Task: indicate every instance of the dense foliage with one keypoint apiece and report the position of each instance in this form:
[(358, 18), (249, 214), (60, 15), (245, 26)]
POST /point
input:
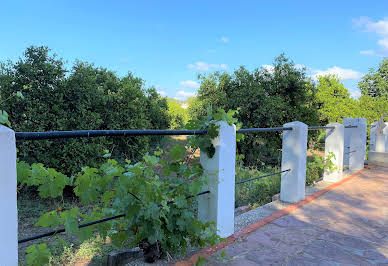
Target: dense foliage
[(265, 99), (177, 113), (85, 98), (335, 103), (375, 83), (157, 210)]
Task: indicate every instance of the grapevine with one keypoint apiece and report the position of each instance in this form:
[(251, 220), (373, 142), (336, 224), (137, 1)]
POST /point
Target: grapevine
[(156, 205)]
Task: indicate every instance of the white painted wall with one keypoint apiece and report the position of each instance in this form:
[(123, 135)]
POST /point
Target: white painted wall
[(8, 199)]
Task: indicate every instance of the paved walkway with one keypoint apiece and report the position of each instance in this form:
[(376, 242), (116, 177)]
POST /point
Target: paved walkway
[(346, 226)]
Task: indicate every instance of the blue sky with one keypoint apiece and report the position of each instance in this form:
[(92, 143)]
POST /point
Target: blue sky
[(167, 43)]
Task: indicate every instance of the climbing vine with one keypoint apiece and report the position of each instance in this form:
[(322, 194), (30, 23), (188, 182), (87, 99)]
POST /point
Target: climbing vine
[(152, 193)]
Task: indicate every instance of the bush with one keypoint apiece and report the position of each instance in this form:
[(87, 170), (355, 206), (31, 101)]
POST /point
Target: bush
[(85, 98), (259, 191)]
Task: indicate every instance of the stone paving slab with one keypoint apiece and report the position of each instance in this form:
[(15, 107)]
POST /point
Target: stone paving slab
[(348, 225)]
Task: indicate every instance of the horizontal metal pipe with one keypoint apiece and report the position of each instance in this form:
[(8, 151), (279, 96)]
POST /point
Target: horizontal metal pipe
[(20, 136), (100, 133), (319, 127), (51, 233), (254, 178), (258, 130)]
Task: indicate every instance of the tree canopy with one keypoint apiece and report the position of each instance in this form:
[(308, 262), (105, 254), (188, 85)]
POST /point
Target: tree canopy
[(375, 83), (265, 98), (85, 97)]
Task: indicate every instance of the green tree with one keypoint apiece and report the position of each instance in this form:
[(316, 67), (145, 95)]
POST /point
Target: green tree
[(265, 99), (370, 108), (86, 97), (195, 108), (177, 114), (334, 101), (375, 83)]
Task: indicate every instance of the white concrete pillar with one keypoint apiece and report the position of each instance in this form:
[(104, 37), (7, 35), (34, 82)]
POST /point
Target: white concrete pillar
[(8, 198), (355, 143), (372, 138), (218, 205), (294, 154), (380, 144), (334, 143)]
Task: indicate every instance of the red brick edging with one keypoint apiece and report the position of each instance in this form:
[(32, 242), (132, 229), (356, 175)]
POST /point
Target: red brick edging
[(206, 252)]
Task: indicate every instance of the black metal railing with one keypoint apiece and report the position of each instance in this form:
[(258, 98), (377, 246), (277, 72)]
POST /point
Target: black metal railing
[(61, 230), (259, 177), (102, 133), (22, 136), (263, 129), (319, 127), (326, 127)]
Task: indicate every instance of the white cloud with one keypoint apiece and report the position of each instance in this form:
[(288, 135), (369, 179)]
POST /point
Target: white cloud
[(224, 39), (383, 43), (355, 93), (183, 95), (341, 73), (380, 28), (367, 52), (190, 84), (203, 66), (162, 93), (269, 68)]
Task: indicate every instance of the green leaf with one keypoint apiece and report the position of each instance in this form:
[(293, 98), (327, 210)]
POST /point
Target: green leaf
[(151, 160), (20, 95), (180, 201), (49, 219), (107, 155), (86, 233), (38, 255), (70, 220), (4, 118), (213, 131), (37, 175), (23, 172), (52, 184), (177, 152)]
